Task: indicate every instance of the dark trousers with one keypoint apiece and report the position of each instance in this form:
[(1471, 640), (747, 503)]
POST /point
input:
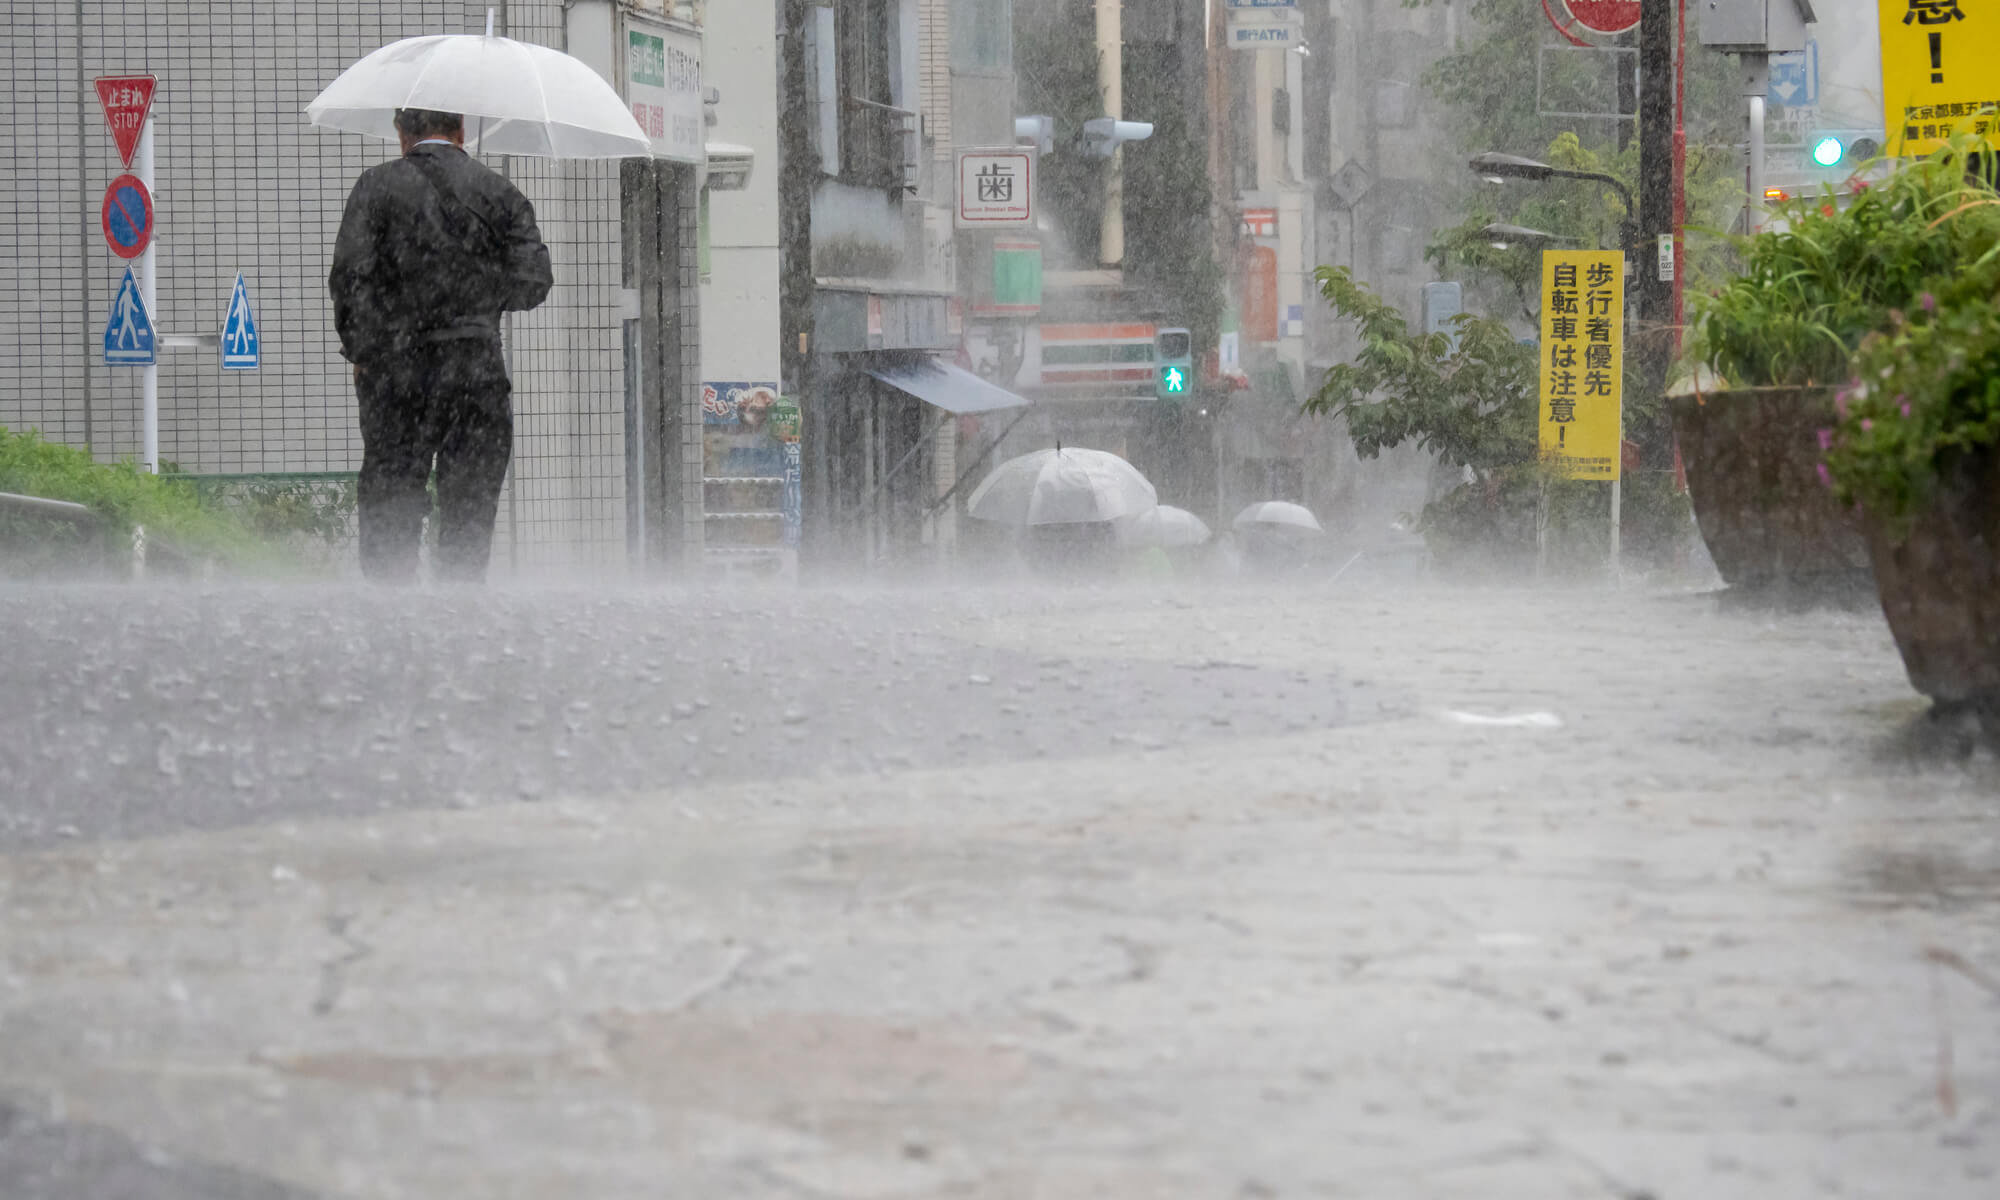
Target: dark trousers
[(448, 403)]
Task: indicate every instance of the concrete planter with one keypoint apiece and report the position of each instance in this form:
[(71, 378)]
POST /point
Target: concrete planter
[(1939, 580), (1752, 457)]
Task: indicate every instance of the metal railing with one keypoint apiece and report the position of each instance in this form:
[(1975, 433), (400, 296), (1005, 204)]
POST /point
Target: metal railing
[(878, 144)]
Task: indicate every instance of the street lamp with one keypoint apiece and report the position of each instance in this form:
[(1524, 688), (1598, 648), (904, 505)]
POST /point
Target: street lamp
[(1502, 236), (1494, 166)]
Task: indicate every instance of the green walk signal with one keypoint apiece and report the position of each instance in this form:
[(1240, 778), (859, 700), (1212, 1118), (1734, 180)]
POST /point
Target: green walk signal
[(1173, 351), (1849, 148)]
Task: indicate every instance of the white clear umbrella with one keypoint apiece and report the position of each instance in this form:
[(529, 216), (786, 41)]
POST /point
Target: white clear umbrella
[(1279, 514), (1064, 486), (517, 98), (1165, 526)]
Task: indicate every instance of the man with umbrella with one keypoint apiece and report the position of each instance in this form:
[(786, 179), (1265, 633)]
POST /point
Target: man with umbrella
[(433, 247)]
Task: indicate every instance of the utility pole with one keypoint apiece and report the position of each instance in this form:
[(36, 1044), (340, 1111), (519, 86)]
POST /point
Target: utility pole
[(1656, 217), (798, 172)]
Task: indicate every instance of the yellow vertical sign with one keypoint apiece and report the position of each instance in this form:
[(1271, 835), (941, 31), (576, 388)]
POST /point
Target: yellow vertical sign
[(1937, 71), (1583, 361)]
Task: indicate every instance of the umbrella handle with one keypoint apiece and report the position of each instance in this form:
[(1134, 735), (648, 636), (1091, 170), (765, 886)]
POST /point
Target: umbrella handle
[(489, 22)]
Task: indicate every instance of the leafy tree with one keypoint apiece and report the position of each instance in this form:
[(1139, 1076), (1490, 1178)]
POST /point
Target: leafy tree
[(1588, 213), (1055, 64), (1470, 398), (1471, 403), (1490, 91)]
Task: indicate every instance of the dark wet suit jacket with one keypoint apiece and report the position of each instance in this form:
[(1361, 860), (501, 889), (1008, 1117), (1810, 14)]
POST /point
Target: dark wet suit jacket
[(410, 267), (432, 249)]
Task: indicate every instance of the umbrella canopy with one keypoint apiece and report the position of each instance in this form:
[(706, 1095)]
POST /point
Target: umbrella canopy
[(1279, 514), (1065, 486), (517, 98), (1167, 527)]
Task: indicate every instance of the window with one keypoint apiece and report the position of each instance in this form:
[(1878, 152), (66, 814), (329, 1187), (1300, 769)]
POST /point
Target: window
[(877, 139)]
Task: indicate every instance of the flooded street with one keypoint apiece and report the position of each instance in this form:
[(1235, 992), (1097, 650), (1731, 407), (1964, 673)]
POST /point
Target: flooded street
[(1351, 891)]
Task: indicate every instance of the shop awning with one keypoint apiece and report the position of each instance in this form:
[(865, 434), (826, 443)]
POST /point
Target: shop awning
[(951, 388)]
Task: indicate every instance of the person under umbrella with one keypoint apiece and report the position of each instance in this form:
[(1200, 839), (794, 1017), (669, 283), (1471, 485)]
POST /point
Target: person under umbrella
[(1066, 501), (432, 248), (1276, 535)]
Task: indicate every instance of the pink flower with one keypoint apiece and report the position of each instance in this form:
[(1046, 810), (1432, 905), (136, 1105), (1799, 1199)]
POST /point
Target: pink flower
[(1905, 409), (1840, 405), (1825, 476), (1866, 424), (1825, 439), (1928, 301)]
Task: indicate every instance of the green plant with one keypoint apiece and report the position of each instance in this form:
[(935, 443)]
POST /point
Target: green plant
[(1927, 395), (123, 495), (316, 507), (1812, 290)]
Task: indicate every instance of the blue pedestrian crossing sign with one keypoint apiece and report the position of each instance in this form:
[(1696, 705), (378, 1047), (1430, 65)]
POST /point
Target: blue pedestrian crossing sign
[(129, 337), (239, 331)]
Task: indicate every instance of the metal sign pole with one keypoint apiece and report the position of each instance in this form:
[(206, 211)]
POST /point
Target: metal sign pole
[(150, 454)]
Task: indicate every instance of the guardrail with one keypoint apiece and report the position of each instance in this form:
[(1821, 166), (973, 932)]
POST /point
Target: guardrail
[(108, 551)]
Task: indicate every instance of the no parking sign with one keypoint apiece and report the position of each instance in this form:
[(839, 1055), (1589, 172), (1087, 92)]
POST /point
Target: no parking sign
[(128, 216)]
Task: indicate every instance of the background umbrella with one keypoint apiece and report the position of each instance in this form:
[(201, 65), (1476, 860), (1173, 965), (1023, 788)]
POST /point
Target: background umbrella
[(1165, 526), (517, 98), (1062, 487), (1277, 514)]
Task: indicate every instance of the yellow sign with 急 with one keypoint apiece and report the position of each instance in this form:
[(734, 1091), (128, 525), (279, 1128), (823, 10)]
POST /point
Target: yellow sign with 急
[(1938, 76), (1583, 362)]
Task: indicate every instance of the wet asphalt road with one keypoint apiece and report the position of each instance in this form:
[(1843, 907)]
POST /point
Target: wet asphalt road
[(137, 713), (1368, 891)]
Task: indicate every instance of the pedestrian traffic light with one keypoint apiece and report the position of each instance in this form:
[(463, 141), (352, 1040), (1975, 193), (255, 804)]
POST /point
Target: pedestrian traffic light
[(1173, 357)]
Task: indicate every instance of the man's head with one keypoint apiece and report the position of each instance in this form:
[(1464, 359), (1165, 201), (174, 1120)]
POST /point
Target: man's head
[(414, 125)]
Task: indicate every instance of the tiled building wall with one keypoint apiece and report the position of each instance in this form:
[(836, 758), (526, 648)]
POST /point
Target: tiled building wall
[(243, 182), (565, 503)]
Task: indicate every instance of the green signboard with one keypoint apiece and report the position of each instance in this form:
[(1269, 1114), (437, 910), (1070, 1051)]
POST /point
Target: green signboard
[(646, 59), (1017, 277)]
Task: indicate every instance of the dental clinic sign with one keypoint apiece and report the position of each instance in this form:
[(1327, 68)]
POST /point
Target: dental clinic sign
[(663, 86)]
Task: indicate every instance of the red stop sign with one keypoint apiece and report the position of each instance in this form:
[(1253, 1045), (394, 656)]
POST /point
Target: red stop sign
[(1604, 16)]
